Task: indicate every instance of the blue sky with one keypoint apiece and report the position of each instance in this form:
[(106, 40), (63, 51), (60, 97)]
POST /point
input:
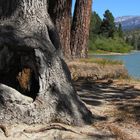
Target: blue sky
[(117, 7)]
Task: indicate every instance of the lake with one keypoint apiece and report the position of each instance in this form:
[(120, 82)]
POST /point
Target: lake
[(131, 62)]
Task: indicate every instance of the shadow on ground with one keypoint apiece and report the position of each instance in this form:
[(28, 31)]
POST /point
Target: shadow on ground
[(124, 97)]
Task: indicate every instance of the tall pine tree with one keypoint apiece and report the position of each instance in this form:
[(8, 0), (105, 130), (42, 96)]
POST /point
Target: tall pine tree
[(80, 28), (108, 25), (95, 25), (120, 31), (60, 12)]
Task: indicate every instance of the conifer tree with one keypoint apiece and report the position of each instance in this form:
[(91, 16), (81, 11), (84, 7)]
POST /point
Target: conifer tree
[(108, 25), (60, 12), (80, 28), (120, 31), (95, 25)]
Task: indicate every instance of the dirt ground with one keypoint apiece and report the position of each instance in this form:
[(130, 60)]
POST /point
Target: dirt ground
[(115, 105)]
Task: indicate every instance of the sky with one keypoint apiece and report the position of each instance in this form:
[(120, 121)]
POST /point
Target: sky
[(117, 7)]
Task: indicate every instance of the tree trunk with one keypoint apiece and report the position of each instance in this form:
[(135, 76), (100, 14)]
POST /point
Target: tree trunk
[(80, 28), (60, 12), (35, 81)]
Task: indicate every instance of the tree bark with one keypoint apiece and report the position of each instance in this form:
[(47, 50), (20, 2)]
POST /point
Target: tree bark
[(60, 12), (35, 81), (80, 28)]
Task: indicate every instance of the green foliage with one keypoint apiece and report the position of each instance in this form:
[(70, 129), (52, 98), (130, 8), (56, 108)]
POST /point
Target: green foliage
[(117, 45), (95, 25), (108, 28), (133, 38), (138, 43), (120, 31), (105, 36)]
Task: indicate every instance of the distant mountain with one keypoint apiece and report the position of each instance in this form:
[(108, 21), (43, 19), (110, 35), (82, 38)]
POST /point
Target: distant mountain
[(128, 22)]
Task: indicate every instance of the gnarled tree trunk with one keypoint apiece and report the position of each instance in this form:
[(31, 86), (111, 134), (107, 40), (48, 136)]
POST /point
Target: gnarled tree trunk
[(80, 28), (35, 81), (60, 12)]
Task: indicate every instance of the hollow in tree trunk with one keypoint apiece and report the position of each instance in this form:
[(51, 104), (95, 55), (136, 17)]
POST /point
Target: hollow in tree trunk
[(35, 81), (80, 28)]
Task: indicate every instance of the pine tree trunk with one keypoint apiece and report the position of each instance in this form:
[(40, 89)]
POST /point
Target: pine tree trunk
[(80, 28), (35, 81), (60, 12)]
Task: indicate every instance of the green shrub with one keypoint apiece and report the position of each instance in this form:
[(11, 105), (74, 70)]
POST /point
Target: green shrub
[(116, 44)]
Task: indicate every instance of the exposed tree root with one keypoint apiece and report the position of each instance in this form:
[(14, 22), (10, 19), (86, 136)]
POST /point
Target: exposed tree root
[(59, 127), (5, 130), (49, 127)]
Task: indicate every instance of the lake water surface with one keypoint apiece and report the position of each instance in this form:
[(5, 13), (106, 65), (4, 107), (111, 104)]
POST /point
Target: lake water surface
[(131, 62)]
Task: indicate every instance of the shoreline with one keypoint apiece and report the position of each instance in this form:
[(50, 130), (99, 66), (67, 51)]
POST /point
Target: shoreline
[(113, 53), (96, 69), (91, 70), (92, 54)]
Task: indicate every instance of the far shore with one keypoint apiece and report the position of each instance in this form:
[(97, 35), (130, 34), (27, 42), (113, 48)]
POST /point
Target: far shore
[(113, 53)]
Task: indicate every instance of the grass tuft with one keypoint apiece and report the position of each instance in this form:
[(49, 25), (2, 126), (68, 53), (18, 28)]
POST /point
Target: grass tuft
[(102, 61)]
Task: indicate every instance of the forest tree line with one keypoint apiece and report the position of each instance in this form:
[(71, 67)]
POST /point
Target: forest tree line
[(105, 36), (85, 31), (132, 37)]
